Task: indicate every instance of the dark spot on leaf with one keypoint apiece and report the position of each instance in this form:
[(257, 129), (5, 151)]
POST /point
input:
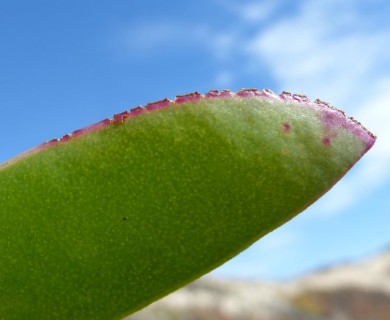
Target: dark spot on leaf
[(124, 218), (286, 127), (326, 141)]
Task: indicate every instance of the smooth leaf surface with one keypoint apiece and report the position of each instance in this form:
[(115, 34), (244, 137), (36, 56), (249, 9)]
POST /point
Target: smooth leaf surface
[(101, 223)]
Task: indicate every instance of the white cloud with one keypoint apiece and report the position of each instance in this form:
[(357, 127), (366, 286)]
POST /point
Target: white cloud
[(150, 36), (221, 44), (159, 37), (320, 50), (251, 12)]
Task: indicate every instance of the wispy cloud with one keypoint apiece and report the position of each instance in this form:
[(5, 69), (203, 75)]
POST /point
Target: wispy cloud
[(321, 50), (163, 36), (252, 11), (159, 39)]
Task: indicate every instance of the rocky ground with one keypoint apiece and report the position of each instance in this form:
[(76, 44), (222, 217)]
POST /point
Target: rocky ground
[(359, 291)]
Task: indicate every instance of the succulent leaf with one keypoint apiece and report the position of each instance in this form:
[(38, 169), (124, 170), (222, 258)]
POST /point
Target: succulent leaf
[(101, 222)]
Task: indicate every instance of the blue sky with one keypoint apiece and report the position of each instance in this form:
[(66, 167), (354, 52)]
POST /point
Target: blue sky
[(67, 64)]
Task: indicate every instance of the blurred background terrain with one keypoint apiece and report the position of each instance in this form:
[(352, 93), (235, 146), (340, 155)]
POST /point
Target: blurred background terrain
[(354, 291), (67, 64)]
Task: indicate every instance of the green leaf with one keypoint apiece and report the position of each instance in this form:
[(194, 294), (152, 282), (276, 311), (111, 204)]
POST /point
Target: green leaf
[(99, 224)]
